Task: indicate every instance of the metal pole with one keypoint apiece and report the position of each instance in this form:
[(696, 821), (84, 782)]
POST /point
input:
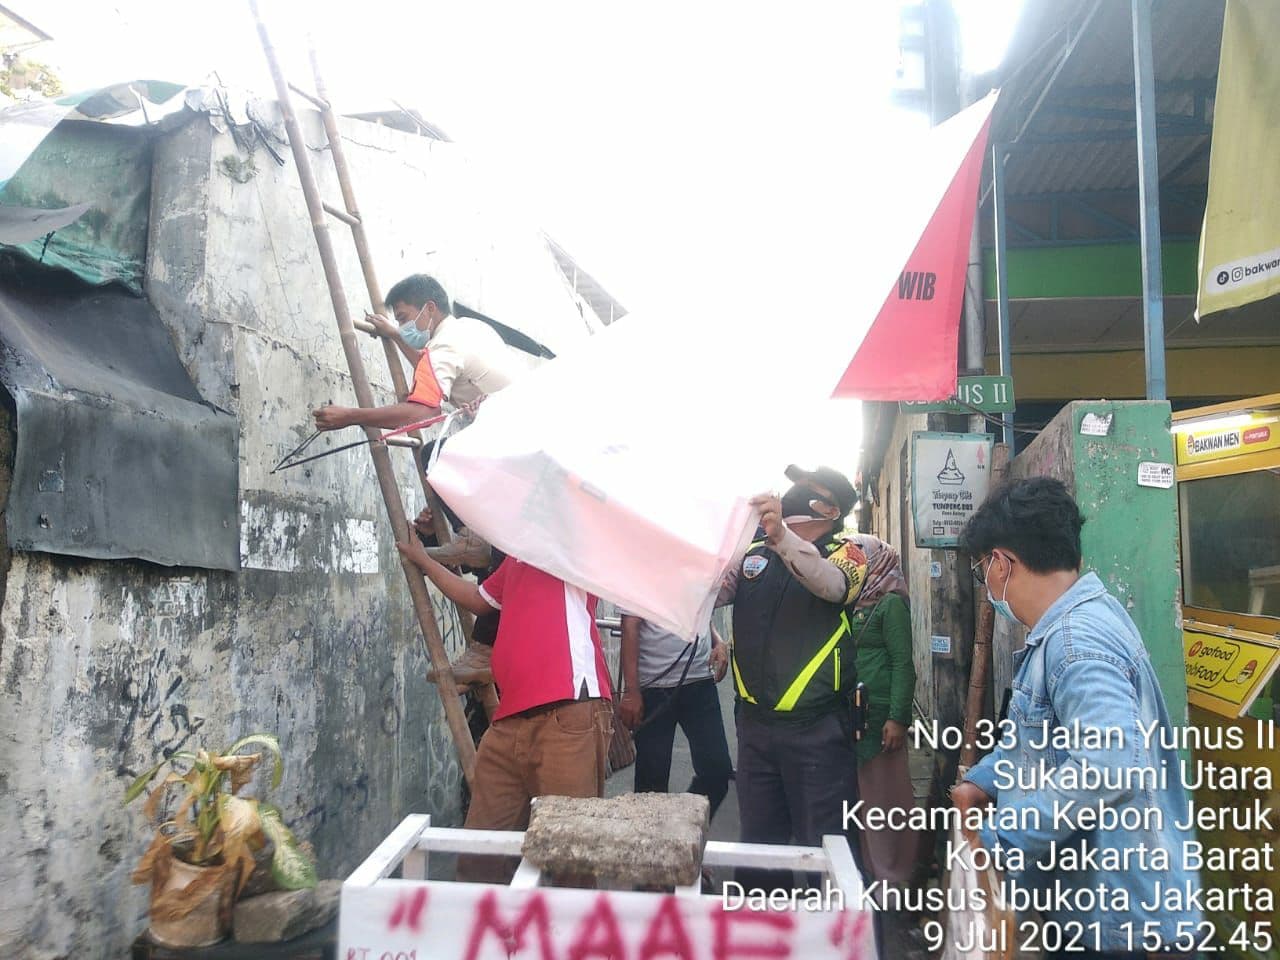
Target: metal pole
[(975, 328), (1144, 105), (364, 396), (998, 156)]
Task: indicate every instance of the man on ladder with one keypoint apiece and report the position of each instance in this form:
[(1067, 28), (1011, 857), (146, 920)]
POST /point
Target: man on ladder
[(460, 358)]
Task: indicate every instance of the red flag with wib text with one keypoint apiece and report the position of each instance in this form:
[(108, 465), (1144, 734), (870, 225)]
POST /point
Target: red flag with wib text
[(910, 351)]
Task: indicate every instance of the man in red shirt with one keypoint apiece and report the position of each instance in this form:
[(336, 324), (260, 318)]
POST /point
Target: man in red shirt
[(550, 734)]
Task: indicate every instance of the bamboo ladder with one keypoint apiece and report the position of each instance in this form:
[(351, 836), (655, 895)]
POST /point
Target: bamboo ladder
[(347, 327)]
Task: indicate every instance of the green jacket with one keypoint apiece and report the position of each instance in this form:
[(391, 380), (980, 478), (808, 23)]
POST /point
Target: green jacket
[(884, 663)]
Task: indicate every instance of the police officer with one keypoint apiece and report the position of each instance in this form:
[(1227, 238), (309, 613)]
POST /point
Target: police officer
[(793, 666)]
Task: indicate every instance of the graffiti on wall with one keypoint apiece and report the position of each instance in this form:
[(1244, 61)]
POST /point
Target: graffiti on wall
[(156, 624)]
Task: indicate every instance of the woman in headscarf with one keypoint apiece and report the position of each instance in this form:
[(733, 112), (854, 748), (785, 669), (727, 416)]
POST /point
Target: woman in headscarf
[(881, 625)]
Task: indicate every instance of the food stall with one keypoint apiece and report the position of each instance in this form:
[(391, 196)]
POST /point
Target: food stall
[(1228, 476)]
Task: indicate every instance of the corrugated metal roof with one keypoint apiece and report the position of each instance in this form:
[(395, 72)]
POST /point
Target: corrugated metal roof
[(1185, 35), (1082, 136)]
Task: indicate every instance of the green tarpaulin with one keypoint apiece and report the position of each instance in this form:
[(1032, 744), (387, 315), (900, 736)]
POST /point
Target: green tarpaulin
[(53, 155), (107, 167)]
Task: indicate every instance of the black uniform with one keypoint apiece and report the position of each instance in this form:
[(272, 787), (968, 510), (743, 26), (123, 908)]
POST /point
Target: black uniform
[(794, 671)]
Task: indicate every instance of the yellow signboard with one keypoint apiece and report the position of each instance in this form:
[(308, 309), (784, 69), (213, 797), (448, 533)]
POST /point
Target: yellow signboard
[(1227, 437), (1224, 674), (1240, 241)]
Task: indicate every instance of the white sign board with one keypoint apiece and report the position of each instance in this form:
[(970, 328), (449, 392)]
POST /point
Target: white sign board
[(1096, 425), (1152, 474), (950, 477)]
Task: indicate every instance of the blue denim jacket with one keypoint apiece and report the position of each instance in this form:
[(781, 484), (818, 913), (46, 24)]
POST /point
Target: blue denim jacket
[(1084, 669)]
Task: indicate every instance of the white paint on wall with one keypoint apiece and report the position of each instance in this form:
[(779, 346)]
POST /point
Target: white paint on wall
[(269, 537), (354, 547)]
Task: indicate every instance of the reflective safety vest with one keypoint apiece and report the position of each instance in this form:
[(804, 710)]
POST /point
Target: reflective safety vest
[(793, 652)]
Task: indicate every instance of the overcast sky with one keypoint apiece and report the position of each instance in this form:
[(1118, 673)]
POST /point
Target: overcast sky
[(667, 145)]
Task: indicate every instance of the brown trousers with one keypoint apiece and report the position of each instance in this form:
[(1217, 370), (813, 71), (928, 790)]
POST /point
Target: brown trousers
[(548, 751)]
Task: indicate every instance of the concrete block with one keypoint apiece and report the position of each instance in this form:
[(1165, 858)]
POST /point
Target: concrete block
[(285, 914), (639, 839)]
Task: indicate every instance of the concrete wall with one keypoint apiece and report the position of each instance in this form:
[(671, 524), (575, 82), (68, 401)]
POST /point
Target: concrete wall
[(106, 665), (1130, 535)]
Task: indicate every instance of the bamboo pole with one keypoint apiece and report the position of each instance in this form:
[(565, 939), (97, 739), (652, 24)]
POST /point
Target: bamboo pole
[(980, 668), (355, 221), (361, 239), (364, 396)]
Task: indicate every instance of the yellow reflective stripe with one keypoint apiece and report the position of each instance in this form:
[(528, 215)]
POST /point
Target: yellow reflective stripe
[(836, 655), (792, 696), (737, 679)]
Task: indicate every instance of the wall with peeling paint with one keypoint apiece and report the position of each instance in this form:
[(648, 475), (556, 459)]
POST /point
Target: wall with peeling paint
[(939, 580), (106, 665), (892, 521)]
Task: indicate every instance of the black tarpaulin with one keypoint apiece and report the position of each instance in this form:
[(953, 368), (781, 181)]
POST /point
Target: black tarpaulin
[(116, 454)]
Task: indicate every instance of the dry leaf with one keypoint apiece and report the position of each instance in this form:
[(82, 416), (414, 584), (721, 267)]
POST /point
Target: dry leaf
[(178, 903), (241, 768), (146, 868)]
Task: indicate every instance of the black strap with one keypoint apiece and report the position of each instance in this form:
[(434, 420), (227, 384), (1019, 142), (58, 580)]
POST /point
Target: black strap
[(689, 648), (510, 336), (675, 696)]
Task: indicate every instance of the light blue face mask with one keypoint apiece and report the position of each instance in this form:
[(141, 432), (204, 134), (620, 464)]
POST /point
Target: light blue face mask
[(413, 336), (1001, 606)]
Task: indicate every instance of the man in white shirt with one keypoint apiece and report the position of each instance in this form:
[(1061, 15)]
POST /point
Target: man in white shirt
[(456, 358)]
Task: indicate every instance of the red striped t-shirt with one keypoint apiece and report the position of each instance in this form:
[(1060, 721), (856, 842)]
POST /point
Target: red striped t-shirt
[(547, 646)]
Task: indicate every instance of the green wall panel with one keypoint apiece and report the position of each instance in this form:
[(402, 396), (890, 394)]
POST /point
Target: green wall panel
[(1130, 536), (1092, 270)]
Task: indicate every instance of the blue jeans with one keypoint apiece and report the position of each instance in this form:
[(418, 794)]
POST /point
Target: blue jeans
[(696, 708)]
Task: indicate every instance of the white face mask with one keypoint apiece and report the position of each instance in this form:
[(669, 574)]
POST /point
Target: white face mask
[(414, 336), (1001, 606)]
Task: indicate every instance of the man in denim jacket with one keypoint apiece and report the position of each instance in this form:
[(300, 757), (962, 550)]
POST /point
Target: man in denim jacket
[(1089, 806)]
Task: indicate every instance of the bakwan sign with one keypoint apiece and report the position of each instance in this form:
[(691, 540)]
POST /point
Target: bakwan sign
[(1217, 443)]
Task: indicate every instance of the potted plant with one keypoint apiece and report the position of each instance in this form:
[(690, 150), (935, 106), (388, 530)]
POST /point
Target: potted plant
[(202, 856)]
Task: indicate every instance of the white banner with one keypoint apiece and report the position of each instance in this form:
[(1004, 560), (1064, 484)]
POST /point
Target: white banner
[(625, 465), (472, 921)]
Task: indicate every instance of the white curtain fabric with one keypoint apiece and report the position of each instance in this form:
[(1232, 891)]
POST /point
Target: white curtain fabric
[(625, 465)]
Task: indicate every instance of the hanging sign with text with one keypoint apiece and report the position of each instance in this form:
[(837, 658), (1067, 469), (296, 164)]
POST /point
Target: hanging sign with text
[(950, 476), (987, 394)]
